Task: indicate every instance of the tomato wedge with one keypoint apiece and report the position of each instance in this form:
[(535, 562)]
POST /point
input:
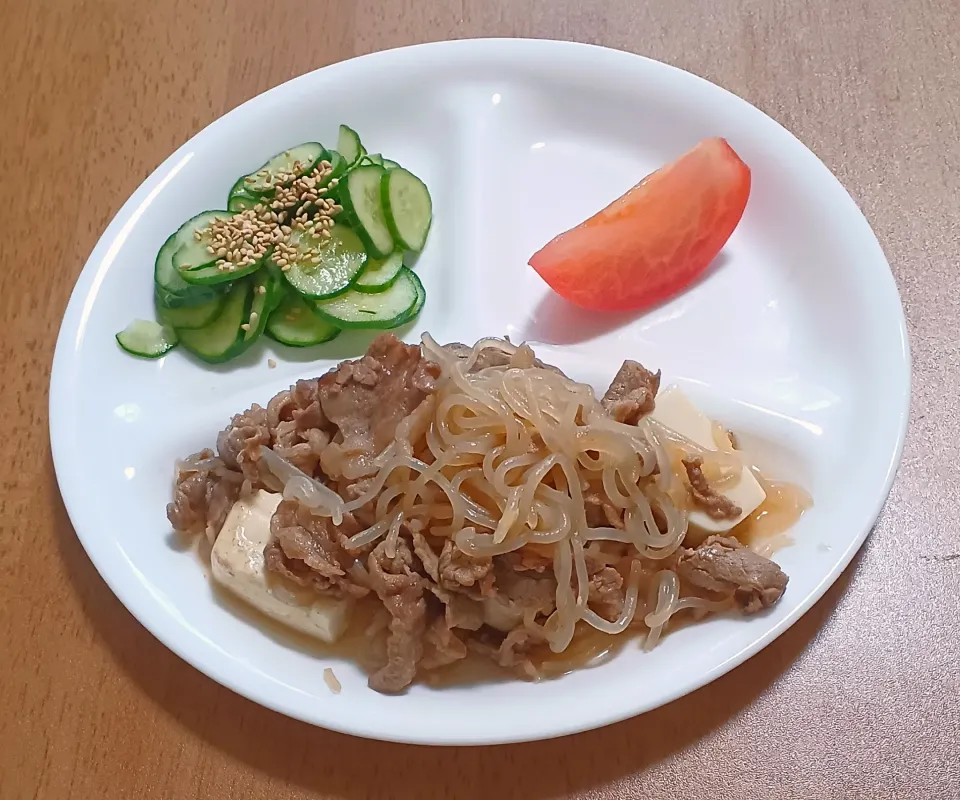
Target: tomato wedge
[(655, 240)]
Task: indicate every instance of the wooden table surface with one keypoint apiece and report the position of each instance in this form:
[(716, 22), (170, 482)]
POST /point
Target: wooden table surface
[(860, 699)]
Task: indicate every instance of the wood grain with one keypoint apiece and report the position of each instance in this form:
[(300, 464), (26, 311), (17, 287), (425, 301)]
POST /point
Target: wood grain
[(859, 699)]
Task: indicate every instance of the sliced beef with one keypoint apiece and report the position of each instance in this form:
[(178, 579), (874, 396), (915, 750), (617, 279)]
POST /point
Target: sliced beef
[(722, 565), (402, 592), (601, 513), (632, 394), (461, 608), (606, 587), (516, 596), (705, 497), (203, 496), (367, 399), (239, 443), (442, 646), (527, 560), (310, 550), (458, 570), (427, 556)]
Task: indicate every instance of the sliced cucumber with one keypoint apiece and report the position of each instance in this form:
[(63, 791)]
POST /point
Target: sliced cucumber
[(195, 252), (284, 167), (211, 274), (362, 199), (407, 208), (268, 291), (188, 318), (147, 339), (339, 260), (294, 324), (378, 275), (390, 164), (348, 143), (338, 166), (414, 311), (242, 202), (176, 292), (374, 158), (239, 198), (387, 309), (223, 338)]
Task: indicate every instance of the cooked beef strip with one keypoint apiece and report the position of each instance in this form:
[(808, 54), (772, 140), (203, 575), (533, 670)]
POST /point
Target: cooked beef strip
[(723, 565), (606, 587), (239, 443), (310, 550), (401, 591), (366, 399), (457, 569), (716, 505), (202, 498), (442, 646), (632, 394), (526, 560), (462, 609), (427, 556), (516, 595), (601, 513)]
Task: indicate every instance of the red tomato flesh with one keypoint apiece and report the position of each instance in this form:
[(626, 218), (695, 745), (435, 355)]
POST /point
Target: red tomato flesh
[(655, 240)]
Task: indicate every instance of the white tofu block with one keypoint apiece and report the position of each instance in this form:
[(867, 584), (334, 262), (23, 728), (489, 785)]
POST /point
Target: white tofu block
[(238, 565), (674, 409)]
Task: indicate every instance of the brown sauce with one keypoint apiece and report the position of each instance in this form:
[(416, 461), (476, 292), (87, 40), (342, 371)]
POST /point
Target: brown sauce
[(765, 530)]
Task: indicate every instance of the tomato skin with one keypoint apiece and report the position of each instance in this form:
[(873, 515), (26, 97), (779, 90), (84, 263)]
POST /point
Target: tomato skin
[(656, 239)]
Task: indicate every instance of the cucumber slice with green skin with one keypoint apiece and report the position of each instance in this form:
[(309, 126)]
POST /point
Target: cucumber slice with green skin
[(193, 253), (241, 201), (407, 208), (387, 309), (338, 166), (264, 180), (174, 290), (223, 338), (239, 198), (379, 275), (188, 318), (340, 260), (211, 275), (268, 291), (348, 143), (389, 164), (374, 158), (414, 311), (362, 199), (294, 324), (147, 339)]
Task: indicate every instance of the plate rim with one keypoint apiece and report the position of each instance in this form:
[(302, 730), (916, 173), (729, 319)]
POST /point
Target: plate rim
[(101, 258)]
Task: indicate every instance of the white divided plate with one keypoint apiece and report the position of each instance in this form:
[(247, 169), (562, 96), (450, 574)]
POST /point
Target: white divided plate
[(795, 339)]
